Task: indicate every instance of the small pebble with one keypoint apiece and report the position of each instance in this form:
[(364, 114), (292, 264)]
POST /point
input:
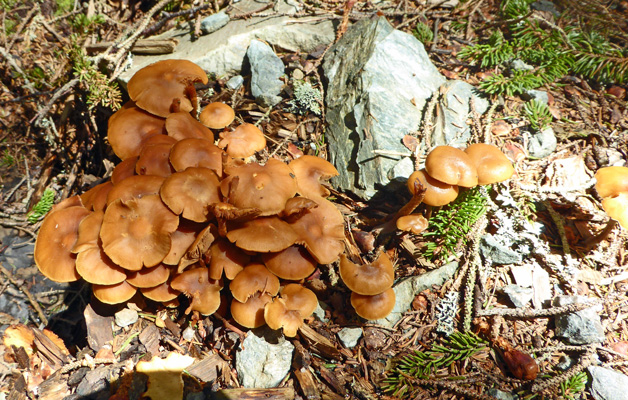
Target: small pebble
[(126, 317)]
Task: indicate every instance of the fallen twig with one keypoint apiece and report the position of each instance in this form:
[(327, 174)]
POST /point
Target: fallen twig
[(28, 294)]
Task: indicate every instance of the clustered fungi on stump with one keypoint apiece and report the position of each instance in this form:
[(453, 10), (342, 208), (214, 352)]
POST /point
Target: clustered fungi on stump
[(182, 212)]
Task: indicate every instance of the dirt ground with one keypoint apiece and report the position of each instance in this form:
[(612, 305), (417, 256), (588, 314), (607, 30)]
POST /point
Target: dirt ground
[(53, 136)]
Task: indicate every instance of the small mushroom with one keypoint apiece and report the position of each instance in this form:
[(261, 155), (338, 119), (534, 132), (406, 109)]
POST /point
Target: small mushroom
[(181, 125), (293, 263), (149, 277), (451, 165), (162, 293), (310, 170), (135, 187), (373, 307), (114, 294), (611, 181), (414, 223), (96, 197), (196, 153), (227, 258), (250, 314), (491, 164), (188, 193), (124, 169), (243, 142), (262, 234), (217, 115), (437, 193), (203, 292), (154, 158), (617, 208), (130, 127), (253, 278), (368, 279), (290, 309)]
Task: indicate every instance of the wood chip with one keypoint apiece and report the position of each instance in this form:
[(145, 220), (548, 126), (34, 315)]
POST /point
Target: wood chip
[(49, 350), (319, 344), (207, 369), (255, 394), (149, 337), (99, 329), (307, 383)]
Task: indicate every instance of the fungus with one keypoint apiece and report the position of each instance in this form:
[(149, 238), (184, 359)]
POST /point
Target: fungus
[(368, 279), (156, 87), (188, 193), (250, 314), (199, 247), (414, 223), (263, 234), (227, 258), (293, 263), (181, 125), (149, 277), (203, 292), (253, 278), (617, 208), (451, 165), (154, 157), (161, 293), (297, 206), (437, 193), (310, 170), (196, 153), (135, 187), (373, 307), (217, 115), (124, 169), (244, 141), (181, 240), (491, 164), (128, 129), (114, 294), (612, 186), (57, 236), (96, 197), (290, 309), (136, 233)]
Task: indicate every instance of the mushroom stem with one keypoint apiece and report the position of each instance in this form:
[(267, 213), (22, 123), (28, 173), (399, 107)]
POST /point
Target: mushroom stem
[(190, 93), (592, 241)]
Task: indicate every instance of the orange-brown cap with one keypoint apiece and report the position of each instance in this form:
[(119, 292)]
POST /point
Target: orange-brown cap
[(57, 236), (289, 310), (253, 278), (310, 170), (293, 263), (250, 314), (123, 170), (136, 233), (297, 206), (181, 125), (414, 223), (242, 142), (196, 153), (203, 292), (135, 187), (154, 88), (149, 277), (617, 208), (199, 247), (437, 193), (217, 115), (227, 258), (373, 307), (181, 240), (368, 279), (451, 165), (128, 129), (611, 181), (161, 293), (154, 157), (114, 294), (262, 234), (188, 193), (96, 197), (491, 164)]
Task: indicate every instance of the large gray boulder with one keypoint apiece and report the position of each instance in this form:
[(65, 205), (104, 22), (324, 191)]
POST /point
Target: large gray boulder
[(379, 80)]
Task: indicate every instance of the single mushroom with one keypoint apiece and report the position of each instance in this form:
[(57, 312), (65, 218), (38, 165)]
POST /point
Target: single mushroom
[(242, 142), (203, 292), (228, 258), (135, 187), (373, 307), (196, 153), (159, 86), (154, 158), (262, 234), (414, 223), (451, 165), (114, 294), (293, 263), (181, 125), (181, 240), (57, 236), (189, 193), (217, 115), (368, 279), (253, 278), (124, 169), (250, 314), (491, 164), (290, 309), (130, 127), (611, 181), (310, 170), (617, 208), (149, 277), (437, 193), (96, 197), (160, 293)]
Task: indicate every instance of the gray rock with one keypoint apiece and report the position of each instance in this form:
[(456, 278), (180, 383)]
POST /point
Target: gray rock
[(373, 99), (538, 95), (349, 336), (497, 252), (406, 290), (582, 327), (214, 22), (519, 296), (263, 358), (266, 69), (222, 52), (235, 82), (542, 144), (519, 65), (498, 394), (608, 384), (126, 317), (319, 312), (451, 126), (446, 4), (565, 362)]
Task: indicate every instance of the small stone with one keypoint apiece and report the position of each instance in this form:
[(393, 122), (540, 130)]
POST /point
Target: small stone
[(519, 296), (608, 384), (581, 327), (565, 362), (298, 74), (522, 275), (349, 336), (126, 317), (500, 395), (519, 65), (319, 312), (497, 252), (214, 22), (188, 333), (538, 95), (542, 144), (263, 358), (266, 69), (235, 82)]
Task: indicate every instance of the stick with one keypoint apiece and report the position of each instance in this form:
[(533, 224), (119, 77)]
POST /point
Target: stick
[(28, 294)]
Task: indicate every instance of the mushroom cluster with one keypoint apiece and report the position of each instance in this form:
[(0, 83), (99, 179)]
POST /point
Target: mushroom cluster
[(183, 211), (448, 168), (612, 186)]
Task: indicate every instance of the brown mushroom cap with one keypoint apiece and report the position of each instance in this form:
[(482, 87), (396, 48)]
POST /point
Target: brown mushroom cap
[(154, 157), (161, 293), (414, 223), (188, 193), (123, 170), (96, 197), (155, 87), (128, 129), (297, 206), (293, 263), (196, 153), (181, 240), (265, 187), (217, 115), (321, 231), (57, 236), (114, 294), (250, 314), (244, 141), (451, 165), (374, 307), (437, 193), (136, 233), (289, 310), (491, 164), (199, 247), (611, 181), (149, 277), (203, 292), (368, 279), (228, 258), (617, 208), (253, 278), (135, 187), (262, 234), (181, 125), (310, 170)]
